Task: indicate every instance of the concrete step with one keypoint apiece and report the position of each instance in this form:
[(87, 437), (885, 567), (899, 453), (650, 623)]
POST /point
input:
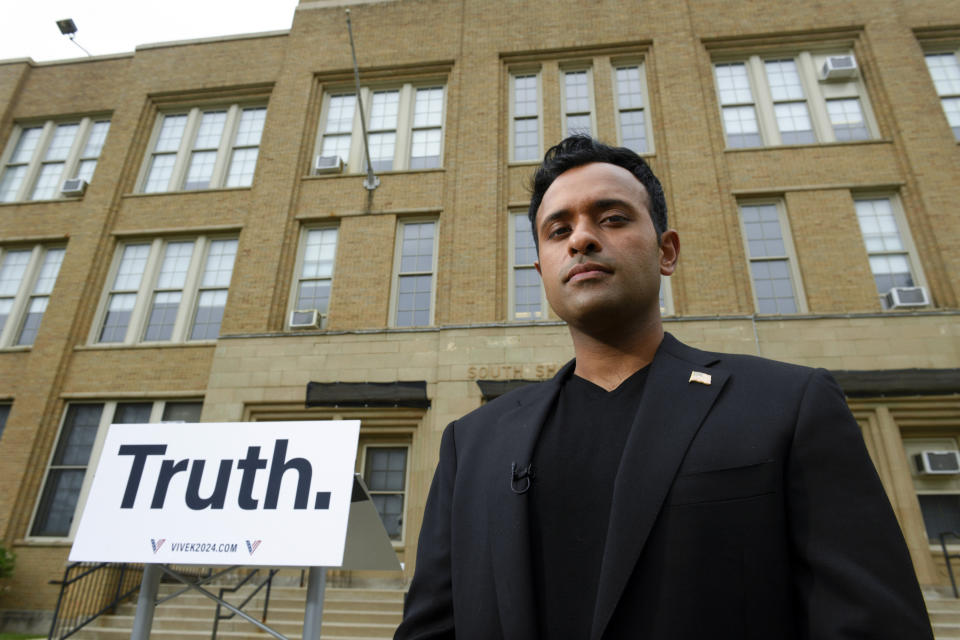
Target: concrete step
[(103, 633)]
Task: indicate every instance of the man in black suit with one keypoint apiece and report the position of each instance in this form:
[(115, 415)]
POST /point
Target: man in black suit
[(652, 490)]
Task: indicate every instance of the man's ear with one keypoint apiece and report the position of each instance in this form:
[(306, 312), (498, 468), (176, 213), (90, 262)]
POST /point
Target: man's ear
[(669, 251)]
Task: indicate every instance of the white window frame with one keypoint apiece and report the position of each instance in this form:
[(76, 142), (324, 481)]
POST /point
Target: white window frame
[(107, 415), (298, 276), (397, 256), (591, 104), (190, 292), (666, 297), (224, 150), (645, 109), (817, 93), (513, 267), (955, 52), (12, 328), (374, 443), (903, 228), (71, 164), (790, 256), (405, 123), (513, 75)]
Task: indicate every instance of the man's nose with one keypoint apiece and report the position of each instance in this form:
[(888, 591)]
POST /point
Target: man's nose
[(583, 239)]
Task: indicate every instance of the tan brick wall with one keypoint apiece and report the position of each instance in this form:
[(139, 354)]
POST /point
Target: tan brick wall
[(473, 48)]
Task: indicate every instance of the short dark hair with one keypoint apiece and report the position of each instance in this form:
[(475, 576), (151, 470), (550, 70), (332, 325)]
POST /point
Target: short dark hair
[(578, 150)]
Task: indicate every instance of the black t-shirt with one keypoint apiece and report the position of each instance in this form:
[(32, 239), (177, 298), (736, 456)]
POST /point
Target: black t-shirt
[(575, 462)]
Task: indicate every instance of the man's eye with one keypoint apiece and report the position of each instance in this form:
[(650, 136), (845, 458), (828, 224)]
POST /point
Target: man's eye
[(558, 231), (615, 217)]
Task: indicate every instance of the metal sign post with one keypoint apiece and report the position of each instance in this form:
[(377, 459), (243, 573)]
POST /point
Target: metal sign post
[(146, 602), (313, 614)]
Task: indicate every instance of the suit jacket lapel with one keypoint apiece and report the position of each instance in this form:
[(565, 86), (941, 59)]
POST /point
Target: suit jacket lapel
[(517, 431), (670, 413)]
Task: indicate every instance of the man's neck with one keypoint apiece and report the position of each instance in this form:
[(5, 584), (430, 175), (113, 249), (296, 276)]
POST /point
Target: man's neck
[(607, 362)]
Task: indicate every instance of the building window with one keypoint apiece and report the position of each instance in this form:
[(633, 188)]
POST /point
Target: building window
[(892, 257), (666, 297), (786, 100), (416, 263), (577, 102), (27, 276), (167, 291), (318, 251), (78, 447), (4, 414), (525, 116), (385, 474), (204, 149), (945, 71), (527, 298), (404, 128), (775, 278), (632, 121), (938, 494), (41, 156)]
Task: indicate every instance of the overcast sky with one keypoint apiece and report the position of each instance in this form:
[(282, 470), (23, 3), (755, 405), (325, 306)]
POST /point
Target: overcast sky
[(28, 28)]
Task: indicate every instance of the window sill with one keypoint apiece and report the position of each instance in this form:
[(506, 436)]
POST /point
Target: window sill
[(140, 194), (16, 348), (145, 345), (398, 172), (814, 145), (44, 542), (46, 201)]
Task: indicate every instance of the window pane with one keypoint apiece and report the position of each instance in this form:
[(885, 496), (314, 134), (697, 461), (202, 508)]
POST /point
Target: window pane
[(182, 412), (761, 224), (85, 170), (163, 315), (131, 268), (319, 253), (784, 80), (633, 131), (201, 170), (314, 294), (941, 513), (428, 107), (878, 225), (78, 434), (525, 251), (413, 301), (340, 114), (210, 306), (10, 182), (4, 413), (161, 168), (740, 124), (945, 71), (243, 162), (425, 149), (171, 132), (219, 266), (63, 137), (793, 120), (211, 130), (773, 286), (576, 92), (525, 96), (48, 182), (338, 145), (26, 145), (31, 322), (526, 139), (846, 117), (95, 139), (58, 503), (132, 413), (117, 319), (527, 298), (384, 110), (6, 305), (733, 84), (417, 247), (250, 129), (629, 88), (176, 261), (578, 124), (381, 150), (12, 270)]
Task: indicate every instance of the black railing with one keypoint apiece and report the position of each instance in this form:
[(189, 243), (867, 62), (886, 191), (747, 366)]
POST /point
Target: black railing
[(89, 590), (267, 582), (947, 556)]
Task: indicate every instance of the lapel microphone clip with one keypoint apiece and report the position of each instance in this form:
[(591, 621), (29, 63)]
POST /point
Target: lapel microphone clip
[(521, 479)]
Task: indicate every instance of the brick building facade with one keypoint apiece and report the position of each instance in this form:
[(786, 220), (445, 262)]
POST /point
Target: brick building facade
[(809, 155)]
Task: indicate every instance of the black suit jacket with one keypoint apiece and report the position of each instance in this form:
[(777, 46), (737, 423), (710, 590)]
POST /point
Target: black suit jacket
[(743, 508)]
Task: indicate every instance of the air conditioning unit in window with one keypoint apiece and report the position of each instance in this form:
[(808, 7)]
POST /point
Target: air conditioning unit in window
[(307, 319), (839, 68), (906, 297), (937, 462), (327, 164), (73, 187)]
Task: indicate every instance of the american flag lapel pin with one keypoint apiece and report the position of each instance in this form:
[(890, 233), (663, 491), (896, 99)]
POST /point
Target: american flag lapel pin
[(700, 377)]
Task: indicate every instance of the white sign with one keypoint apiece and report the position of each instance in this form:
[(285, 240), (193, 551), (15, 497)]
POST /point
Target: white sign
[(251, 493)]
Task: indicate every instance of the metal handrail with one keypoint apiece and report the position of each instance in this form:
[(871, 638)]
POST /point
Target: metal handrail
[(947, 555), (266, 601), (74, 604)]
